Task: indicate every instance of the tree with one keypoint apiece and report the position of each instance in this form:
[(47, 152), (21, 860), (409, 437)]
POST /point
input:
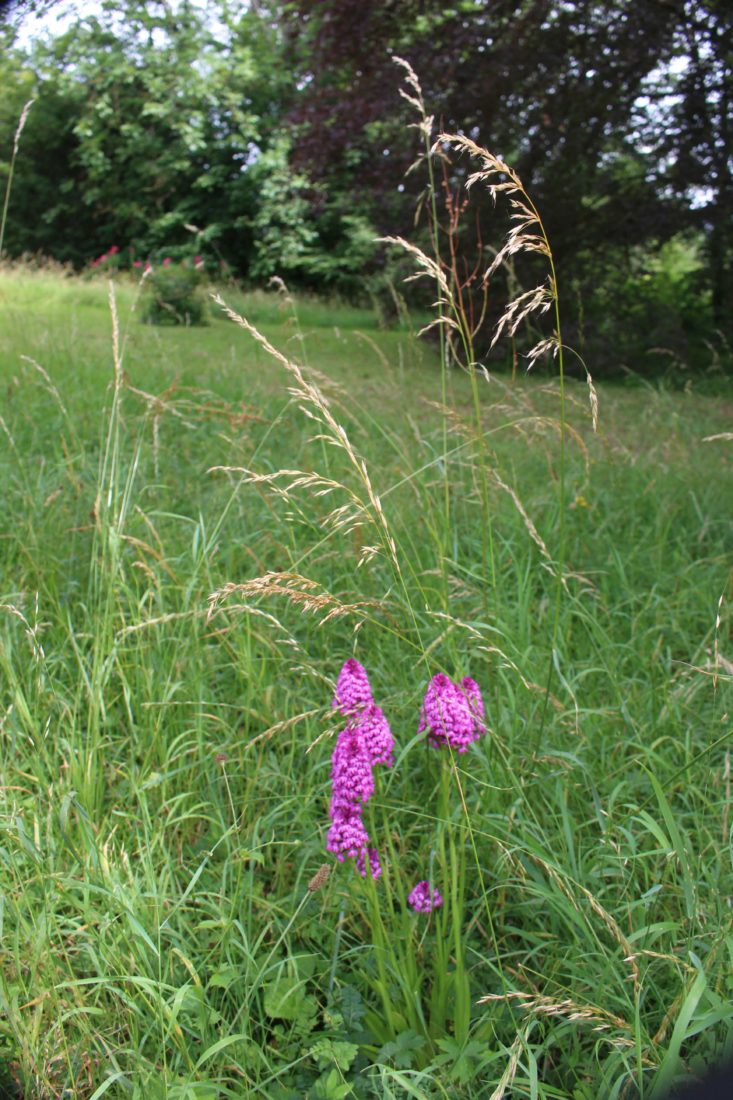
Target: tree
[(692, 135), (166, 114), (44, 215), (562, 89)]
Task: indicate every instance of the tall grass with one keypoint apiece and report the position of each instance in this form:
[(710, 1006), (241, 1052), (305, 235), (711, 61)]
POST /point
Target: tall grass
[(199, 527), (11, 169)]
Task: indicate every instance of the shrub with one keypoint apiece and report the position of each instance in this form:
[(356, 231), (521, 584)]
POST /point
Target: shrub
[(172, 295)]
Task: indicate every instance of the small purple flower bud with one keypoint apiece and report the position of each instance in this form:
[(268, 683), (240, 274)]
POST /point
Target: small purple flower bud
[(352, 688), (374, 866), (423, 900)]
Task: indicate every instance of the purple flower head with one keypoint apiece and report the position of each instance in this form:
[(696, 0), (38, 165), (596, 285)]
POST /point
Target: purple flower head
[(347, 836), (352, 785), (452, 714), (351, 772), (473, 694), (422, 899), (373, 867), (352, 688), (376, 736), (366, 740)]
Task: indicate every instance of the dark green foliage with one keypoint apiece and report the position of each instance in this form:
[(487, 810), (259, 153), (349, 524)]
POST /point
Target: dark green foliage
[(617, 116), (143, 126), (173, 296), (274, 134)]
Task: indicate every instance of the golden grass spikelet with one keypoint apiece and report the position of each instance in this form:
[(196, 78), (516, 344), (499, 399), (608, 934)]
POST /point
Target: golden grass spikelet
[(345, 518), (31, 632), (527, 425), (491, 164), (415, 98), (116, 357), (717, 657), (507, 1076), (524, 215), (429, 267), (548, 345), (593, 398), (537, 300), (49, 385), (314, 405), (305, 593), (285, 638), (286, 724), (527, 234), (540, 1005), (21, 125), (411, 79), (608, 920), (529, 525)]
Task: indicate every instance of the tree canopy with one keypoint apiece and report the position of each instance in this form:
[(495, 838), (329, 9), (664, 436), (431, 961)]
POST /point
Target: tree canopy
[(271, 136)]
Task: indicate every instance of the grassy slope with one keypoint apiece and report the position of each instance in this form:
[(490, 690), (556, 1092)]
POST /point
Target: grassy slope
[(161, 813)]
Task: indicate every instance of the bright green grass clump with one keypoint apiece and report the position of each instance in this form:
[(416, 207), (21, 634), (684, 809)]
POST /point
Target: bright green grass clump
[(165, 756)]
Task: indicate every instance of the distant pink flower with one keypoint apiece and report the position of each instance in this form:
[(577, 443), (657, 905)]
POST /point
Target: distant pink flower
[(452, 714), (113, 250), (422, 899), (148, 268), (167, 261), (137, 263)]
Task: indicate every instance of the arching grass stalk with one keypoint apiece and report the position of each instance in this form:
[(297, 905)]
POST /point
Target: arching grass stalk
[(412, 93), (366, 509), (455, 318), (16, 145), (528, 235)]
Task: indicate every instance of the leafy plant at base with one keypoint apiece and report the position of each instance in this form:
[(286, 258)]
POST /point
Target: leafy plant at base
[(172, 296)]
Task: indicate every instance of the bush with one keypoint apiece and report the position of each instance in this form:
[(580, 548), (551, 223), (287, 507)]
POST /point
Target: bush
[(173, 297)]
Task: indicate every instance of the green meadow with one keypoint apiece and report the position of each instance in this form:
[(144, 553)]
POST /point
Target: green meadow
[(198, 527)]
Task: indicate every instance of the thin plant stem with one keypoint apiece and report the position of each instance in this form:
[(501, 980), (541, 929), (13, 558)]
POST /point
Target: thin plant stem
[(8, 186)]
